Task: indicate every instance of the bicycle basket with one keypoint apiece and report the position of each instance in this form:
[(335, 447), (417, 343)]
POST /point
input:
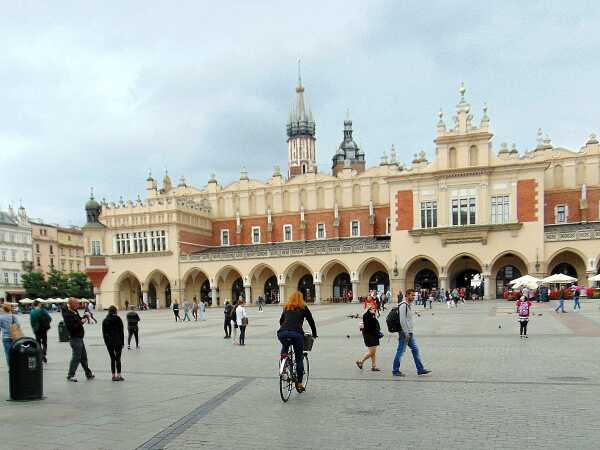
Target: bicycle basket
[(308, 342)]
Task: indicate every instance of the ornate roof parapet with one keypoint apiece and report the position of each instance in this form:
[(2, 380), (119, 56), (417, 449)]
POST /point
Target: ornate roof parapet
[(384, 159), (441, 125), (167, 185), (503, 152), (485, 120), (277, 171), (393, 156), (244, 174), (543, 142), (182, 182), (514, 153), (591, 145), (592, 139)]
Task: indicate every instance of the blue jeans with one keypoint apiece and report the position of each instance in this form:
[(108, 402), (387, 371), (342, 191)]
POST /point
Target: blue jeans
[(576, 304), (561, 305), (298, 344), (7, 342), (400, 350)]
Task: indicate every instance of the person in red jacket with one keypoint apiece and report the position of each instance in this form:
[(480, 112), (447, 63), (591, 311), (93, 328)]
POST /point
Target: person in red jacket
[(523, 310)]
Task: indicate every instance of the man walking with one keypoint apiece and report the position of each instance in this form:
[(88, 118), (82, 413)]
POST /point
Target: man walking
[(132, 328), (576, 304), (40, 324), (561, 302), (227, 324), (406, 336), (74, 324), (186, 311), (260, 303)]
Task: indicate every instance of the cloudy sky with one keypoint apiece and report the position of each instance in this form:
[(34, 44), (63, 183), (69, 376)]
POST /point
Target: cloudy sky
[(97, 95)]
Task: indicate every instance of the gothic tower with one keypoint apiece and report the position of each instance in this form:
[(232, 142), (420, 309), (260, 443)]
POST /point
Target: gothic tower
[(301, 136), (349, 153)]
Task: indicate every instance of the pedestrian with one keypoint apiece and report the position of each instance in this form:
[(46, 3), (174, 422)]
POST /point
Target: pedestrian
[(89, 311), (227, 322), (11, 330), (176, 311), (561, 301), (388, 297), (448, 299), (406, 337), (195, 309), (202, 310), (400, 296), (430, 299), (523, 310), (576, 304), (186, 311), (74, 324), (371, 332), (114, 339), (242, 320), (260, 303), (40, 324), (132, 328), (233, 321)]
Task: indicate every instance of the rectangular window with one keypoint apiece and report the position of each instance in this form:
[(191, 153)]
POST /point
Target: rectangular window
[(51, 250), (355, 228), (78, 267), (16, 277), (388, 226), (256, 235), (428, 214), (321, 231), (224, 237), (500, 209), (561, 214), (37, 248), (95, 250), (70, 266), (51, 263), (63, 266), (287, 233), (5, 277), (3, 255), (464, 211), (37, 260)]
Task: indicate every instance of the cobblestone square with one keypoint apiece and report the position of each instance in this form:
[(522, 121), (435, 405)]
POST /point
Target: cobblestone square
[(187, 387)]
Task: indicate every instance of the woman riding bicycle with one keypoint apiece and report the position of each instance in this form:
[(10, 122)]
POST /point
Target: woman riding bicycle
[(291, 321)]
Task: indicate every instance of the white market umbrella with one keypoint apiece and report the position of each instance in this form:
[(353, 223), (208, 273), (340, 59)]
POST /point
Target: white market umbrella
[(559, 278), (595, 278), (26, 301), (525, 280), (525, 284)]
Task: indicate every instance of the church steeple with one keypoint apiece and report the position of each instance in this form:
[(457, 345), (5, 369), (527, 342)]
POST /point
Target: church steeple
[(301, 135)]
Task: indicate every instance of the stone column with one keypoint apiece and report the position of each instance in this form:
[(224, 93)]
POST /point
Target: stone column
[(282, 294), (247, 294), (213, 295), (486, 286), (355, 291), (317, 293), (144, 298), (443, 283)]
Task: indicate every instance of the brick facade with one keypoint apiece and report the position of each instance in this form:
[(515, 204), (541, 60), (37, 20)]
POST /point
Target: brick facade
[(191, 242), (404, 210), (527, 200), (572, 199)]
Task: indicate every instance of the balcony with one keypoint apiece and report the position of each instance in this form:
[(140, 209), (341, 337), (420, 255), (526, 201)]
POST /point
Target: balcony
[(466, 233), (572, 232)]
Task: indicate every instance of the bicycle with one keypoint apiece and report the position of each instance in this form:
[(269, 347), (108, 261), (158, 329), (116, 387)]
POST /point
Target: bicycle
[(287, 368)]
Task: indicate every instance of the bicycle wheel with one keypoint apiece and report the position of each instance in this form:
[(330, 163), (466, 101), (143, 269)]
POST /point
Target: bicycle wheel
[(286, 383), (306, 370)]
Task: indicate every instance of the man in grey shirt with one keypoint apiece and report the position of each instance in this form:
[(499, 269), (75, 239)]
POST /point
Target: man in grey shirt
[(406, 336)]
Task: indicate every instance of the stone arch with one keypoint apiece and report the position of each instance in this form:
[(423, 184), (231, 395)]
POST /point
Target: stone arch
[(224, 281), (569, 257), (128, 290), (262, 283), (415, 267), (461, 268), (158, 286), (194, 285), (504, 268), (366, 270), (330, 273), (293, 274)]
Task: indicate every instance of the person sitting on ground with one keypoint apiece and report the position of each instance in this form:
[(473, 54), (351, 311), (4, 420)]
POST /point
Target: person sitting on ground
[(291, 321)]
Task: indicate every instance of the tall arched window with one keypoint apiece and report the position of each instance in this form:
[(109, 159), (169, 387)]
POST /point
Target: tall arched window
[(558, 176), (473, 156), (452, 158)]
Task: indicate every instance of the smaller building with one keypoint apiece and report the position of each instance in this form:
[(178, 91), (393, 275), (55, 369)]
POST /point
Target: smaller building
[(56, 248), (15, 253), (70, 249)]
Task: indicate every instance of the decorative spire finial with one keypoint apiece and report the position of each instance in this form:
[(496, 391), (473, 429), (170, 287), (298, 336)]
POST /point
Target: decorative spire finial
[(540, 137), (462, 91), (91, 193), (243, 173), (393, 155), (299, 71), (592, 139)]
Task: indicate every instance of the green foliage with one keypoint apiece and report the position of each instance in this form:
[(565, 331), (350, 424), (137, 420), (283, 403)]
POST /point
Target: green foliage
[(58, 284), (80, 285), (35, 285)]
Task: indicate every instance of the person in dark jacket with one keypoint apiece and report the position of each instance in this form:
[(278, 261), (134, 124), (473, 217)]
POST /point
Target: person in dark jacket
[(227, 323), (291, 321), (74, 324), (371, 332), (132, 328), (114, 339), (40, 324), (176, 311)]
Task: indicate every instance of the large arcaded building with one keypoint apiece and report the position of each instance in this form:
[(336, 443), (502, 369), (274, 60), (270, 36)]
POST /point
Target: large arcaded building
[(471, 209)]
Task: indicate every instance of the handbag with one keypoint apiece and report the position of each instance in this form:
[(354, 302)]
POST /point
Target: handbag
[(15, 331), (244, 321)]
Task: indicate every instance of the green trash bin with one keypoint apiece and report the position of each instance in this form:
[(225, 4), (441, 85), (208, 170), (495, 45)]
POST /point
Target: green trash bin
[(63, 333), (26, 380)]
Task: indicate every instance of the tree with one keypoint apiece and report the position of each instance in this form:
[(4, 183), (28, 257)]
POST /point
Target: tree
[(58, 284), (35, 285), (80, 285)]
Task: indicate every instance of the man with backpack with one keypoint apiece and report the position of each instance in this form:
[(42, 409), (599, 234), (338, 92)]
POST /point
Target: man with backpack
[(400, 320), (40, 324)]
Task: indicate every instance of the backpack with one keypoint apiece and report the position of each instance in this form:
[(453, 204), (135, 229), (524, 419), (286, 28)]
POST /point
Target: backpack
[(524, 309), (44, 322), (393, 320)]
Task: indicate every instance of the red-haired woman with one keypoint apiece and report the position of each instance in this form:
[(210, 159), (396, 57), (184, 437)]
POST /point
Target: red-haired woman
[(291, 321)]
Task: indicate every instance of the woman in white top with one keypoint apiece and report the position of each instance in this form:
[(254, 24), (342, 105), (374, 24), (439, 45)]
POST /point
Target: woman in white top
[(242, 320)]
